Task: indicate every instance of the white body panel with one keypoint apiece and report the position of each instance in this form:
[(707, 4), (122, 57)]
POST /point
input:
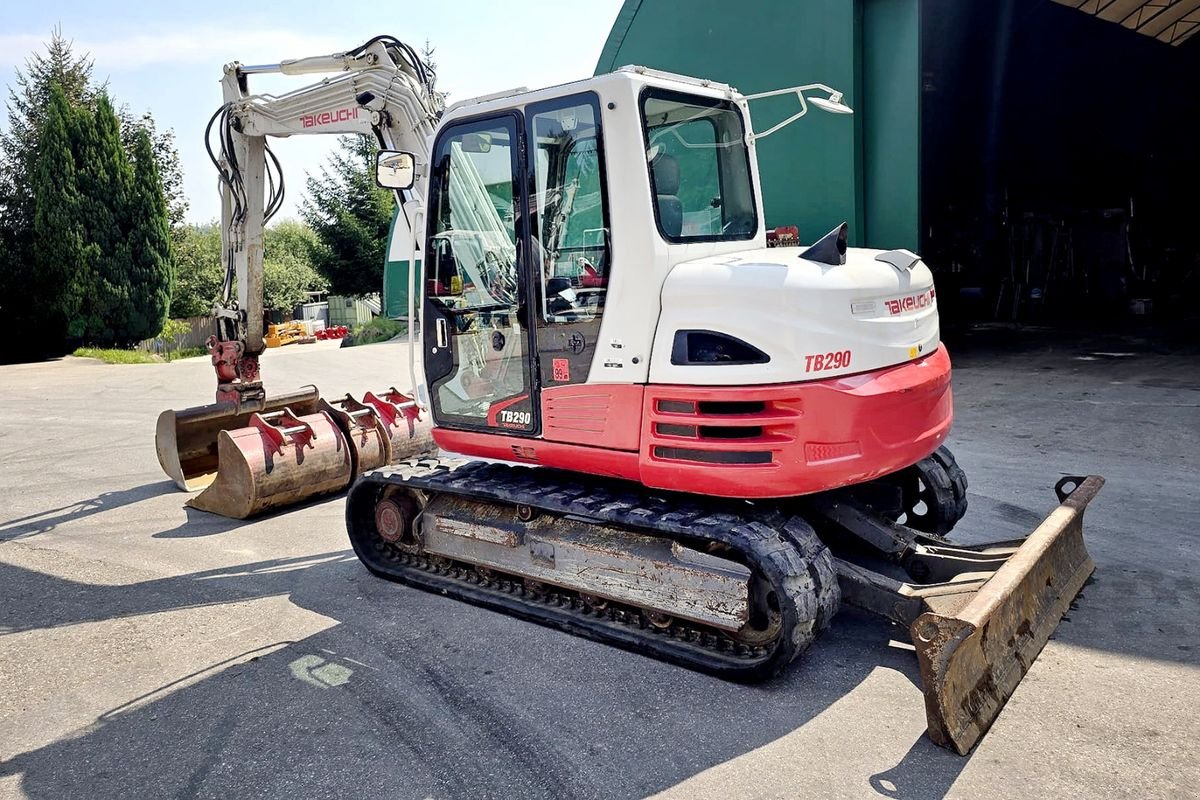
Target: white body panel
[(790, 308), (795, 310), (641, 258)]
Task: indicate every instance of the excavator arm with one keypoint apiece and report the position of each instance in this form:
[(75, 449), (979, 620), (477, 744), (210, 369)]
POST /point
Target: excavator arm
[(381, 89)]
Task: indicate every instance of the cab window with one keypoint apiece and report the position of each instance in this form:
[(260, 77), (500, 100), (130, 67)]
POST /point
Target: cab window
[(699, 168), (568, 204)]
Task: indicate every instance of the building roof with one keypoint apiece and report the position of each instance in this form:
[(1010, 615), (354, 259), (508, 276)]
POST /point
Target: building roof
[(1168, 21)]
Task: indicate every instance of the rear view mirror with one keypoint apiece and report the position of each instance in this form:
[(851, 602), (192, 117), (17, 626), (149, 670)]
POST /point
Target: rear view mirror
[(395, 170), (476, 142)]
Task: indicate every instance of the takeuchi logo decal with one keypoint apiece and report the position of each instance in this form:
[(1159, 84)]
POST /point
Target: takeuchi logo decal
[(329, 117), (912, 302)]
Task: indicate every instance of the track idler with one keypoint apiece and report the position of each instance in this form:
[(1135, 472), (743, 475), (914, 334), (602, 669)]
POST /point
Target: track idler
[(279, 459)]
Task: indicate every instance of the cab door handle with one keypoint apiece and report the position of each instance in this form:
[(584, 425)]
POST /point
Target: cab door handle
[(443, 333)]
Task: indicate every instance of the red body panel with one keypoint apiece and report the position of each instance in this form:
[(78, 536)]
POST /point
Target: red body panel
[(580, 458), (597, 414), (779, 440)]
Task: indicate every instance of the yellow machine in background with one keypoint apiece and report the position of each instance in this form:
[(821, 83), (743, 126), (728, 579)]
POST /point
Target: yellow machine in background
[(288, 333)]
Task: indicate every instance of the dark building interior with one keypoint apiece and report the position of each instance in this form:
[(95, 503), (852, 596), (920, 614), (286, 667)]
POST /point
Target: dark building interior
[(1060, 174)]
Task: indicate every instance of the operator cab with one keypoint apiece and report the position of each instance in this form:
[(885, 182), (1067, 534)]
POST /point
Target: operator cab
[(537, 220)]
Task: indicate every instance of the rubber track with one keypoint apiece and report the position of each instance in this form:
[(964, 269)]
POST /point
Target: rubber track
[(781, 548), (958, 482)]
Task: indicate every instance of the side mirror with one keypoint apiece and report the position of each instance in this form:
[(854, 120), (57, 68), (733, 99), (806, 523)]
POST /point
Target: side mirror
[(395, 170)]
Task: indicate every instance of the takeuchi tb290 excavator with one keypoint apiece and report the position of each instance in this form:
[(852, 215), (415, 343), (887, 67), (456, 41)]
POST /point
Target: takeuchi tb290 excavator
[(665, 435)]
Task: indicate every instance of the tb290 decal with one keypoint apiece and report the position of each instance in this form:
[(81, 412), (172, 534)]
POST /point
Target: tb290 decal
[(823, 362), (514, 413), (519, 418)]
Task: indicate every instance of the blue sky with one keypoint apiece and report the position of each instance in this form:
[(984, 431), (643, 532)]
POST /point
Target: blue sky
[(166, 58)]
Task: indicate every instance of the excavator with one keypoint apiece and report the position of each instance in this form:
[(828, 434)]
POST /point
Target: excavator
[(651, 429)]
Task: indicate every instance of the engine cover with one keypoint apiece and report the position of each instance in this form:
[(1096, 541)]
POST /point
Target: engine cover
[(811, 320)]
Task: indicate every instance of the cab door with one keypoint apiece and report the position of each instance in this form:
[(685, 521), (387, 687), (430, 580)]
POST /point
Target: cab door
[(478, 353), (569, 234)]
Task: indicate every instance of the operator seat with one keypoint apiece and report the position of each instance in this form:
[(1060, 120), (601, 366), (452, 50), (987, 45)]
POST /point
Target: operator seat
[(666, 187)]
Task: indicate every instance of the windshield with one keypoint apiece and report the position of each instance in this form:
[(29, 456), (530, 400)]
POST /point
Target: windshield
[(699, 168), (473, 256)]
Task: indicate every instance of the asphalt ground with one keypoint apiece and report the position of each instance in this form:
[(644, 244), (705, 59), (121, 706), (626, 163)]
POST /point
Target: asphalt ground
[(149, 650)]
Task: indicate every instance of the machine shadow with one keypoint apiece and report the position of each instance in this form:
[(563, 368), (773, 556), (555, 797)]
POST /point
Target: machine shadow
[(49, 520), (415, 695), (31, 600), (205, 523)]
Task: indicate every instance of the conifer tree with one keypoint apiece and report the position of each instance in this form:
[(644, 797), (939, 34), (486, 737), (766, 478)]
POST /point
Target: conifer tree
[(29, 105), (166, 156), (105, 181), (56, 287), (352, 217), (151, 274)]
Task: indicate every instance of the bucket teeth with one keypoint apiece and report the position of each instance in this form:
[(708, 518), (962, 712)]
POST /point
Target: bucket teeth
[(368, 439), (248, 459)]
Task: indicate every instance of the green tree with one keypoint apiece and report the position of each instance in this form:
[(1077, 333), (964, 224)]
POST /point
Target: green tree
[(288, 273), (151, 273), (105, 182), (29, 104), (351, 217), (166, 156), (172, 333), (102, 146), (61, 255), (198, 270)]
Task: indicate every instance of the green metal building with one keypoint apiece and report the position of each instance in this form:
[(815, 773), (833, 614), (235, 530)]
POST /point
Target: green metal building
[(825, 169)]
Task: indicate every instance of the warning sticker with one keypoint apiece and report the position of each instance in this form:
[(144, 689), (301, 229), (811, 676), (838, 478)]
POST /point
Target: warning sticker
[(562, 370)]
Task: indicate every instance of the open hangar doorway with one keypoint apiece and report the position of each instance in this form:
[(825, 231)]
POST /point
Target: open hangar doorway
[(1060, 176)]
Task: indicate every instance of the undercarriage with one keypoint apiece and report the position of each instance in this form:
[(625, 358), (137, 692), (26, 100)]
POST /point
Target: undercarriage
[(735, 588), (721, 587)]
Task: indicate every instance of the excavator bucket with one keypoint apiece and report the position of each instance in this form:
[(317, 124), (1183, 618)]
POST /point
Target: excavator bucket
[(279, 459), (370, 445), (186, 440), (400, 416)]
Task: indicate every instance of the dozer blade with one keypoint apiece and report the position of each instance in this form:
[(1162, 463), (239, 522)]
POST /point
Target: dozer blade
[(279, 459), (370, 445), (186, 440), (972, 659)]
